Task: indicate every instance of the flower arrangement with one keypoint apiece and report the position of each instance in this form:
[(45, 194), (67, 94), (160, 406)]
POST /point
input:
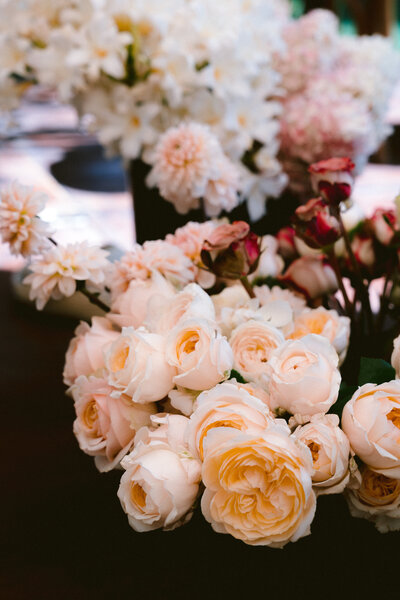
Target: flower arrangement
[(235, 396), (266, 93)]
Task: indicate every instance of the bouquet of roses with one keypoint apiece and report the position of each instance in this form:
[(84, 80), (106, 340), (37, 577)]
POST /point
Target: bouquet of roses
[(232, 395)]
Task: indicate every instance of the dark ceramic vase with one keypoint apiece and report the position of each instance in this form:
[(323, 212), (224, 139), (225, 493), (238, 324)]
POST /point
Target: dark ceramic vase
[(155, 218)]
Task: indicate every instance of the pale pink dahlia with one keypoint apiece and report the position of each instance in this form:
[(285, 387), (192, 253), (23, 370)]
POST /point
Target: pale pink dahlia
[(157, 255), (20, 226), (188, 159), (56, 271)]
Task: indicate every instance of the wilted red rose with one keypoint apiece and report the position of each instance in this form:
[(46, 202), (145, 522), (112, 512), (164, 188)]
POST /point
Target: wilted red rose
[(232, 251), (315, 224)]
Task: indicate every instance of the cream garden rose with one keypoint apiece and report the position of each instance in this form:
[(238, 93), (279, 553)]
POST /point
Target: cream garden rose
[(161, 479), (105, 426), (330, 451), (303, 376), (371, 421), (258, 486), (163, 314), (377, 498), (85, 353), (228, 404), (201, 356), (137, 366), (129, 308), (327, 323), (252, 344)]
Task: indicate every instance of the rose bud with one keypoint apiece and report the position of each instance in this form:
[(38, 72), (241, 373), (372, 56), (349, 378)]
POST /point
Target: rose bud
[(363, 249), (312, 276), (315, 225), (384, 225), (286, 245), (333, 179), (232, 251)]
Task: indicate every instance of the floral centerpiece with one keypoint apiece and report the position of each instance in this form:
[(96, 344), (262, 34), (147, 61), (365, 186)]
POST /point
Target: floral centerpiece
[(266, 93), (234, 396)]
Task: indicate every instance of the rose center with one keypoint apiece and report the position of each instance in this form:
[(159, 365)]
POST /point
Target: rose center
[(315, 448), (119, 360), (138, 496), (376, 487), (394, 416), (90, 414)]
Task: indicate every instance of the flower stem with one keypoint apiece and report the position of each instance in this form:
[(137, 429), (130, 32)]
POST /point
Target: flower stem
[(247, 286), (335, 266), (94, 299), (359, 281)]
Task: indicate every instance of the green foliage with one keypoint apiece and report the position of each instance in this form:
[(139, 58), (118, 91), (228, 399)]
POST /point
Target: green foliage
[(236, 375), (375, 370), (372, 370)]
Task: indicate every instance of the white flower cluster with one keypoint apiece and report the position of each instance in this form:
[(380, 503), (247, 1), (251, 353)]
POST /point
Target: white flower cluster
[(142, 66)]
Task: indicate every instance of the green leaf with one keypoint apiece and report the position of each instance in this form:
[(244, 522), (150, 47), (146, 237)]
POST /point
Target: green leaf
[(345, 393), (375, 370), (236, 375)]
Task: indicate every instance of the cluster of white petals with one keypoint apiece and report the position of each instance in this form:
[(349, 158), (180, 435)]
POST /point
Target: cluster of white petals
[(56, 271), (20, 225), (141, 67)]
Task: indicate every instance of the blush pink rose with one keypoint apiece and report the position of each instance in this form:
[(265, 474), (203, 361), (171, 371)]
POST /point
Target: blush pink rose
[(105, 426), (201, 356), (258, 486), (129, 308), (161, 479), (311, 276), (371, 421), (137, 366), (85, 353), (303, 376), (330, 451), (229, 405)]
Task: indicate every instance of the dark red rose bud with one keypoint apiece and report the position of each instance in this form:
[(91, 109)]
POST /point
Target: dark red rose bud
[(384, 225), (333, 179), (232, 251), (287, 247), (315, 225)]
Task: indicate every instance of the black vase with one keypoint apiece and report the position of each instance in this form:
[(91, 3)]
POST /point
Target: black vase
[(155, 217)]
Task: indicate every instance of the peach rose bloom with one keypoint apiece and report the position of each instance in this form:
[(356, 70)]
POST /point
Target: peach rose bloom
[(258, 486), (266, 295), (252, 344), (85, 353), (105, 426), (183, 400), (137, 366), (201, 356), (376, 498), (327, 323), (192, 302), (395, 360), (311, 276), (371, 421), (161, 479), (303, 376), (330, 451), (129, 309), (226, 405)]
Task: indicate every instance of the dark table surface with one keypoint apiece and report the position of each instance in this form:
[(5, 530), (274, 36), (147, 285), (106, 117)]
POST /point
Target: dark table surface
[(64, 535)]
